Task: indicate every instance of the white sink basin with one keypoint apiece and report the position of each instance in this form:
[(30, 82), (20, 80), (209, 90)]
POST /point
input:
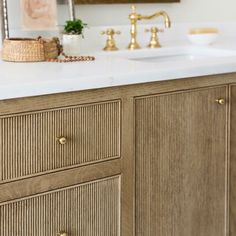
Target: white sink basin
[(182, 56), (172, 54)]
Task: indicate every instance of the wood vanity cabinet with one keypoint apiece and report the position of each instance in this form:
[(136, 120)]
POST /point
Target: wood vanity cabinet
[(141, 160)]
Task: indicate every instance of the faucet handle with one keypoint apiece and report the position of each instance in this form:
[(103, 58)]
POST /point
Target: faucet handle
[(154, 42), (110, 32), (154, 30), (110, 43), (133, 8)]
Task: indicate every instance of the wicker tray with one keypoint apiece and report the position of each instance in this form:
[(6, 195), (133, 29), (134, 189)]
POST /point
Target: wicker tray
[(30, 50)]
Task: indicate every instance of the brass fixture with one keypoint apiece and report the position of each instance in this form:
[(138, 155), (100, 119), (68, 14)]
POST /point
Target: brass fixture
[(62, 140), (220, 101), (110, 43), (62, 233), (135, 17), (154, 42)]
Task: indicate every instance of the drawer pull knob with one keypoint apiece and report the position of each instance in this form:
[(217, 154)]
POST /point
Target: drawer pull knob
[(62, 233), (220, 101), (62, 140)]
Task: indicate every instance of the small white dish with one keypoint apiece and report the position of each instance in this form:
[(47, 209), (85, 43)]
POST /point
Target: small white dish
[(203, 36)]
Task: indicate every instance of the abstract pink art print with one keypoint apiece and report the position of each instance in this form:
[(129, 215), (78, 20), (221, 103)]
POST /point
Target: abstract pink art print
[(39, 14)]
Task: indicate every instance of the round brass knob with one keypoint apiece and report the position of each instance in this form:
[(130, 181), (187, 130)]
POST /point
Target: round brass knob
[(62, 140), (62, 233), (220, 101)]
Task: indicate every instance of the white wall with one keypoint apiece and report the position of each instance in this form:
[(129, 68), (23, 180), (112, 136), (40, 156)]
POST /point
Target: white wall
[(186, 11), (98, 15)]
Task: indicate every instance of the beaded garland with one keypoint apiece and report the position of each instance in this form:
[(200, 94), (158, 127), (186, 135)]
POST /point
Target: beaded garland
[(72, 58)]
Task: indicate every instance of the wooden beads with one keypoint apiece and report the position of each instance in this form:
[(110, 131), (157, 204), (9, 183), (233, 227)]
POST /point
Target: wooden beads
[(72, 58)]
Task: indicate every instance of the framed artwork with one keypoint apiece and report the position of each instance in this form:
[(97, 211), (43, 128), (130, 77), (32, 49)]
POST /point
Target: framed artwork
[(36, 15), (39, 15)]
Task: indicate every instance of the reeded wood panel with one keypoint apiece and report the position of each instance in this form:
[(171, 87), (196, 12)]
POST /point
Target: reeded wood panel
[(28, 142), (92, 209), (181, 164)]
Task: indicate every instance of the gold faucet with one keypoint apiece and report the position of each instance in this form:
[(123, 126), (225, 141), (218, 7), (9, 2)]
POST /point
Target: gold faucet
[(135, 17)]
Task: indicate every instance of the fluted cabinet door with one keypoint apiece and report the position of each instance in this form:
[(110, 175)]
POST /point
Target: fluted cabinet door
[(90, 209), (181, 164)]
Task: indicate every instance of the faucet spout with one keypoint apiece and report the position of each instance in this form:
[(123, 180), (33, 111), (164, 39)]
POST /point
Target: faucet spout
[(156, 15), (135, 17)]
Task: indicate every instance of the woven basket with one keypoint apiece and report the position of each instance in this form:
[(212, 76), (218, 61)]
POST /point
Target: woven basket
[(30, 50)]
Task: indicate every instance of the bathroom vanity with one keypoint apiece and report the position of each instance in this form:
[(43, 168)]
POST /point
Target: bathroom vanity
[(149, 159), (119, 146)]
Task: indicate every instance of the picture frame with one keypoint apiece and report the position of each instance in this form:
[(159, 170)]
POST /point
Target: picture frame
[(5, 31), (4, 20), (118, 1)]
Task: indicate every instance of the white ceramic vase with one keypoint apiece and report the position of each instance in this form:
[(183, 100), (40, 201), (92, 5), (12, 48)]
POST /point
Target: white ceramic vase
[(71, 44)]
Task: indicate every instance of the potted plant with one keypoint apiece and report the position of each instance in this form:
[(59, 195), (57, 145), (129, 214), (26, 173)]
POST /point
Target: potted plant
[(72, 36)]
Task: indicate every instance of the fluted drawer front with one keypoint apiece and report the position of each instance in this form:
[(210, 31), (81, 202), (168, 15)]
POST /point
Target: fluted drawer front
[(28, 142), (91, 209)]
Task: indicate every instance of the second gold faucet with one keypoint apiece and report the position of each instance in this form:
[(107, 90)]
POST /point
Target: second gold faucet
[(135, 17)]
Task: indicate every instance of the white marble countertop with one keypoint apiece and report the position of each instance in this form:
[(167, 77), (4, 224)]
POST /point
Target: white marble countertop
[(32, 79)]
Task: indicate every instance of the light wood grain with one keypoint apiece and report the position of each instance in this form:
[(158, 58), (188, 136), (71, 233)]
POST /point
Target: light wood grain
[(91, 209), (29, 145), (44, 183), (128, 168), (181, 164)]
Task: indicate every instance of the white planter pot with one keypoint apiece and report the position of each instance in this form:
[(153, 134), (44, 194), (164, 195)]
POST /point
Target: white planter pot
[(71, 44)]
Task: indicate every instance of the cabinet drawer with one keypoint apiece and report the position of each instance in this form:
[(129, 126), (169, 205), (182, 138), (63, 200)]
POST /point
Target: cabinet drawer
[(83, 210), (29, 142)]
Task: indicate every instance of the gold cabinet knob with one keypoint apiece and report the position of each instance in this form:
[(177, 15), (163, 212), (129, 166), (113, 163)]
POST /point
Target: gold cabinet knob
[(220, 101), (62, 140), (62, 233)]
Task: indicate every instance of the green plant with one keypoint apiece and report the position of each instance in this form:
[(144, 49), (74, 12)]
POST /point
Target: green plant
[(74, 27)]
